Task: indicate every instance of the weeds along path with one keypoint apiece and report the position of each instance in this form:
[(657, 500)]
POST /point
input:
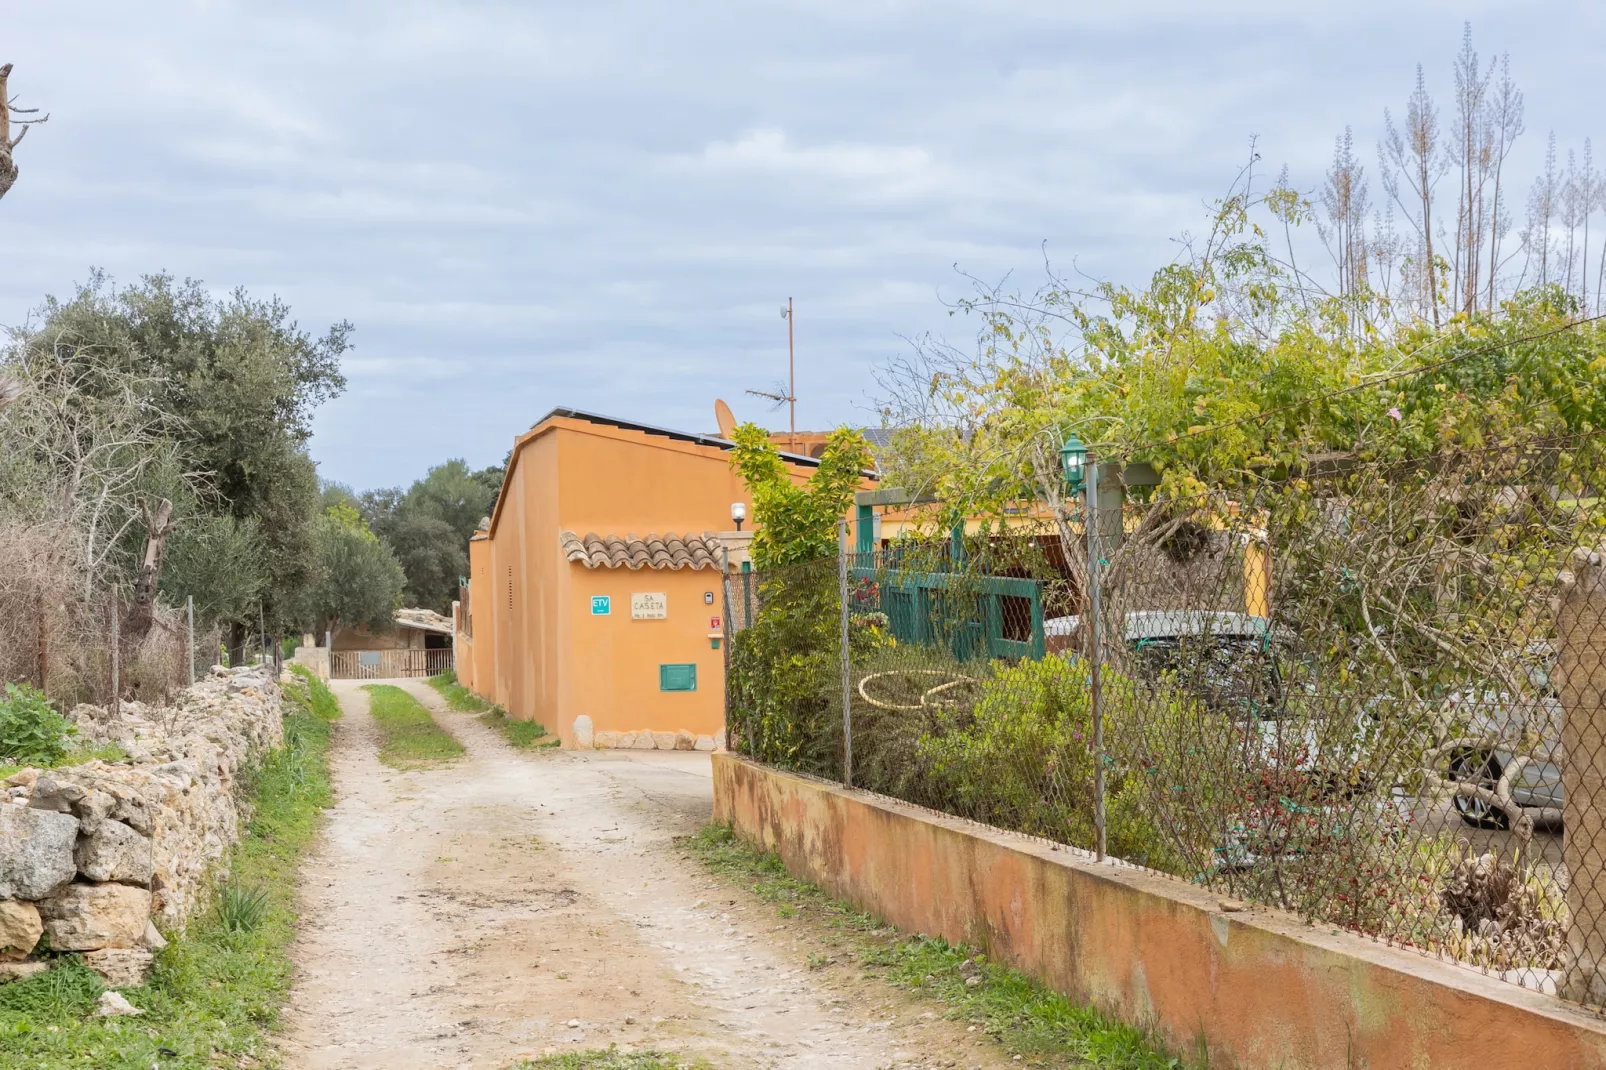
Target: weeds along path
[(509, 905)]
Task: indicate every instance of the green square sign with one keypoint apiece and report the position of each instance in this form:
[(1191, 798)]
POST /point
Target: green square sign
[(601, 605)]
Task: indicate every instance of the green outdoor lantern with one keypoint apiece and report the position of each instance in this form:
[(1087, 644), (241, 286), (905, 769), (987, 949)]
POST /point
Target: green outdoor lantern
[(1073, 461)]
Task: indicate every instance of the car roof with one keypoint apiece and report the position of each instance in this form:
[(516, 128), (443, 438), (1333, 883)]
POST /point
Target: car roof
[(1174, 624)]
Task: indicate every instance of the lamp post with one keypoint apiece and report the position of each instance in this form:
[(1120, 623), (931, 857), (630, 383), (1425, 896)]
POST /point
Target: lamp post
[(1073, 461), (738, 514)]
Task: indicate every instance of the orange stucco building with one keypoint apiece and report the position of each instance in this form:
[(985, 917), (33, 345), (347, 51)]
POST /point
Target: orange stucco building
[(595, 595)]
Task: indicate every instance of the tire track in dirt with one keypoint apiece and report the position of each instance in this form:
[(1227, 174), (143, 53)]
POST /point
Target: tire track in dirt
[(465, 916)]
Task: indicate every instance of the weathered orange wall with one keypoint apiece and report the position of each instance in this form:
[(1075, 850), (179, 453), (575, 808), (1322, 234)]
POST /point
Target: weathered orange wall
[(612, 661), (523, 567), (474, 651), (1255, 988), (542, 656)]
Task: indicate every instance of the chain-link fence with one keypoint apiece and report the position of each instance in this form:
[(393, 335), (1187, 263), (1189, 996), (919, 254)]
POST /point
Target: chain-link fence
[(1367, 693)]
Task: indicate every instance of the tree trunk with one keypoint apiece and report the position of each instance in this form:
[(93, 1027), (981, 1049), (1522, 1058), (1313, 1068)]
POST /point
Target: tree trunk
[(237, 637), (140, 615), (8, 170), (1581, 634)]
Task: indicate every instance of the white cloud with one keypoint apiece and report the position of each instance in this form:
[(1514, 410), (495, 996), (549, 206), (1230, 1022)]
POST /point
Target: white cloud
[(881, 170)]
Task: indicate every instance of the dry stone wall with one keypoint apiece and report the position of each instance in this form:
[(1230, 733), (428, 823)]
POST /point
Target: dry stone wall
[(100, 857)]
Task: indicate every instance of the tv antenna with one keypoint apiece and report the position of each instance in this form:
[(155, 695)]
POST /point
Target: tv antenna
[(788, 396)]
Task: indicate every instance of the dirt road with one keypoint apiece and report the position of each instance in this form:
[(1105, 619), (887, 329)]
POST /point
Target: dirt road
[(511, 905)]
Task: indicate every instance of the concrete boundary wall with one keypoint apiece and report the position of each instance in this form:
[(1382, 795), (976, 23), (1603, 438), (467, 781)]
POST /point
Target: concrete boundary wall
[(1258, 988)]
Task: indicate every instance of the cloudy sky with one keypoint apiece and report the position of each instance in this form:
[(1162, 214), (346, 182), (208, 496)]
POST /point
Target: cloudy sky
[(603, 204)]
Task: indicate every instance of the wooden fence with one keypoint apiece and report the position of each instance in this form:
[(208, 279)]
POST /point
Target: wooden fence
[(388, 664)]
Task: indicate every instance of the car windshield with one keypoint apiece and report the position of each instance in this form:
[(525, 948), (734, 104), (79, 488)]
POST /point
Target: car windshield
[(1233, 675)]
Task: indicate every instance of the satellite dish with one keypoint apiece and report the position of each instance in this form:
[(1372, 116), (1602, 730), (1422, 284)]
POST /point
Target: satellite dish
[(726, 421)]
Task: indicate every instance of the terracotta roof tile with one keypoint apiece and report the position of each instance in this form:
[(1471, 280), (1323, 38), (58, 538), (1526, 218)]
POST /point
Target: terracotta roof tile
[(631, 551)]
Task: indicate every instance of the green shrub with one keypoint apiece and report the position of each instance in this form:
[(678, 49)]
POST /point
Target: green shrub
[(1022, 758), (241, 909), (785, 683), (31, 730)]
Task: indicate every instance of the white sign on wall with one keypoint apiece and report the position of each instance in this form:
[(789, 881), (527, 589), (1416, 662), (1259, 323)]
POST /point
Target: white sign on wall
[(650, 606)]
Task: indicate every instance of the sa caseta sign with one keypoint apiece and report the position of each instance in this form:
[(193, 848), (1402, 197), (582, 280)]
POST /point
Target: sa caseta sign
[(649, 606)]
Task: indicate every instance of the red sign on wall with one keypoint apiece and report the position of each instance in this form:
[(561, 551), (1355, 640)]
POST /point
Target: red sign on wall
[(713, 624)]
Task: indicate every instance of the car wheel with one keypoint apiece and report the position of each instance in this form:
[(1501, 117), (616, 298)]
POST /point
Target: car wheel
[(1483, 768)]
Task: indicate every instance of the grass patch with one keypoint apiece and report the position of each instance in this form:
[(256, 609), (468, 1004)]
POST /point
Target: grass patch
[(215, 995), (324, 703), (1028, 1019), (412, 738), (525, 735), (459, 699), (612, 1059), (106, 752)]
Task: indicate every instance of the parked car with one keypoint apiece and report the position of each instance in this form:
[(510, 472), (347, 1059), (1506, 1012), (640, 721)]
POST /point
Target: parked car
[(1229, 660), (1232, 664), (1528, 725)]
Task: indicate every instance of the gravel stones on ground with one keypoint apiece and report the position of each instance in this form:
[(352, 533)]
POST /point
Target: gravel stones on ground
[(115, 1005)]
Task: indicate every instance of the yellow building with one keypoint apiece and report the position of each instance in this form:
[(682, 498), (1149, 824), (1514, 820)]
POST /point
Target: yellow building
[(594, 603)]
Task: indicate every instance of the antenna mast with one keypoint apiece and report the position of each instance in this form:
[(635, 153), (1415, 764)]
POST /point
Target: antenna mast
[(791, 377)]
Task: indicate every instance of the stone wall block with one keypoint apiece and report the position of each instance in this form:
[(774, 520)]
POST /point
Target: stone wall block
[(20, 928), (120, 967), (88, 917), (114, 852), (36, 849)]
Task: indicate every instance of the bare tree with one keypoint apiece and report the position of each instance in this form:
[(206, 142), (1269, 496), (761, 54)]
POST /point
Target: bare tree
[(1345, 202), (1543, 207), (1505, 114), (8, 113), (1574, 214), (1414, 155), (81, 449), (1473, 148)]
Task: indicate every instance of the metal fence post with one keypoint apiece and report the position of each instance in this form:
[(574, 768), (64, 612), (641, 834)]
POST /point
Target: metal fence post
[(44, 643), (730, 632), (116, 703), (1095, 653), (189, 612), (847, 659)]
